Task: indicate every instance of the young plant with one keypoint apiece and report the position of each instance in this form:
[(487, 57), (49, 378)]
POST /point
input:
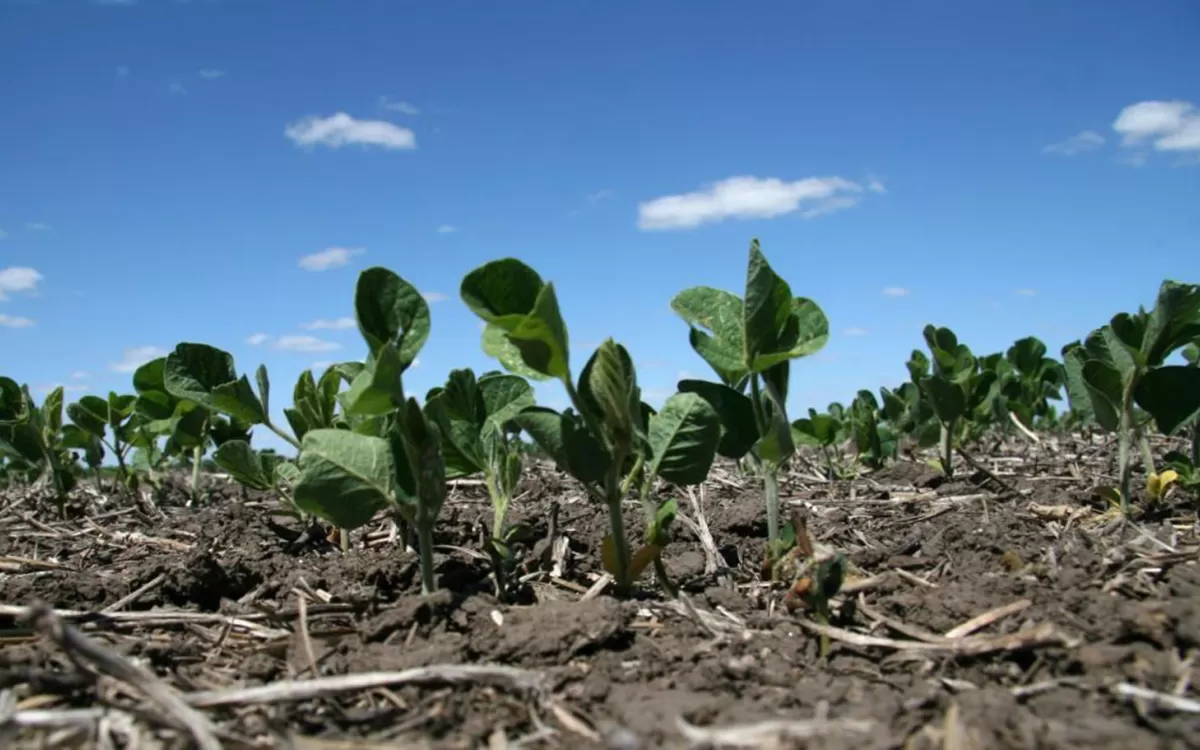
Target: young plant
[(479, 436), (31, 438), (956, 388), (874, 439), (604, 436), (749, 342), (824, 431), (96, 417), (1121, 366)]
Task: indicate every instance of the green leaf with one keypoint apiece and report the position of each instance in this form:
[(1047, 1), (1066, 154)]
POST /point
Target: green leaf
[(512, 296), (817, 430), (264, 388), (720, 314), (90, 413), (608, 388), (73, 436), (1026, 355), (683, 439), (1105, 388), (497, 345), (345, 478), (243, 464), (52, 410), (504, 396), (206, 375), (120, 408), (806, 332), (151, 376), (1174, 321), (1171, 395), (949, 401), (377, 390), (739, 432), (389, 310), (544, 425), (768, 305)]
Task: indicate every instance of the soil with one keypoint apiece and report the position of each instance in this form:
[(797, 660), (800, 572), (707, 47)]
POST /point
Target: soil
[(1089, 631)]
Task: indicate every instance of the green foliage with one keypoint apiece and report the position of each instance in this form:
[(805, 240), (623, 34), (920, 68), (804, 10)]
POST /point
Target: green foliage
[(751, 340)]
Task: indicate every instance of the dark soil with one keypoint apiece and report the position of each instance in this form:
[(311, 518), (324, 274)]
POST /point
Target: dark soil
[(1095, 614)]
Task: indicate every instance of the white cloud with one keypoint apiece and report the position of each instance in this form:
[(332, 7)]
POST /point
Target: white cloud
[(37, 226), (18, 279), (176, 88), (401, 107), (305, 344), (1088, 140), (211, 74), (432, 297), (741, 197), (329, 258), (136, 357), (854, 331), (341, 129), (11, 321), (1026, 292), (257, 339), (1170, 125), (335, 324), (80, 375), (838, 203), (875, 185), (895, 291), (447, 229)]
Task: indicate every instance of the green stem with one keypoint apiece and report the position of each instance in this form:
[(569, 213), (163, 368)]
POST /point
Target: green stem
[(286, 437), (499, 505), (947, 442), (1196, 444), (1123, 463), (197, 453), (1147, 454), (425, 544), (771, 493), (828, 462)]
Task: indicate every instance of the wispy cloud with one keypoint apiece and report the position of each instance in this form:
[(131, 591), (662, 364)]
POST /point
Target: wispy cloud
[(875, 185), (136, 357), (15, 321), (432, 297), (257, 339), (332, 257), (1166, 126), (895, 291), (331, 324), (341, 129), (741, 198), (404, 108), (1080, 143), (80, 375), (122, 71), (18, 279), (854, 331), (830, 205), (1026, 292), (447, 229), (211, 74), (176, 88), (599, 195), (38, 226), (309, 344)]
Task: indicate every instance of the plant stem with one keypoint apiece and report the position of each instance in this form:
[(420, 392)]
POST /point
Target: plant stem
[(425, 543), (499, 505), (946, 446), (286, 437), (616, 520), (1147, 454), (664, 579), (1123, 464), (771, 495), (197, 453), (1196, 444)]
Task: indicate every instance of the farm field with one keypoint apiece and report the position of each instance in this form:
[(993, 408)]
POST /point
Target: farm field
[(955, 564)]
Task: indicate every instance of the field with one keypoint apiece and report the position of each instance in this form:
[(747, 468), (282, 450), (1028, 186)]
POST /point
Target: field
[(955, 564), (1002, 610)]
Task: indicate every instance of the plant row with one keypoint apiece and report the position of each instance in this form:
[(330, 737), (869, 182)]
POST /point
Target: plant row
[(364, 445)]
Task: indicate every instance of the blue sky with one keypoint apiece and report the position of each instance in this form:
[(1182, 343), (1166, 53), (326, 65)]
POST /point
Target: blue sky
[(220, 170)]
